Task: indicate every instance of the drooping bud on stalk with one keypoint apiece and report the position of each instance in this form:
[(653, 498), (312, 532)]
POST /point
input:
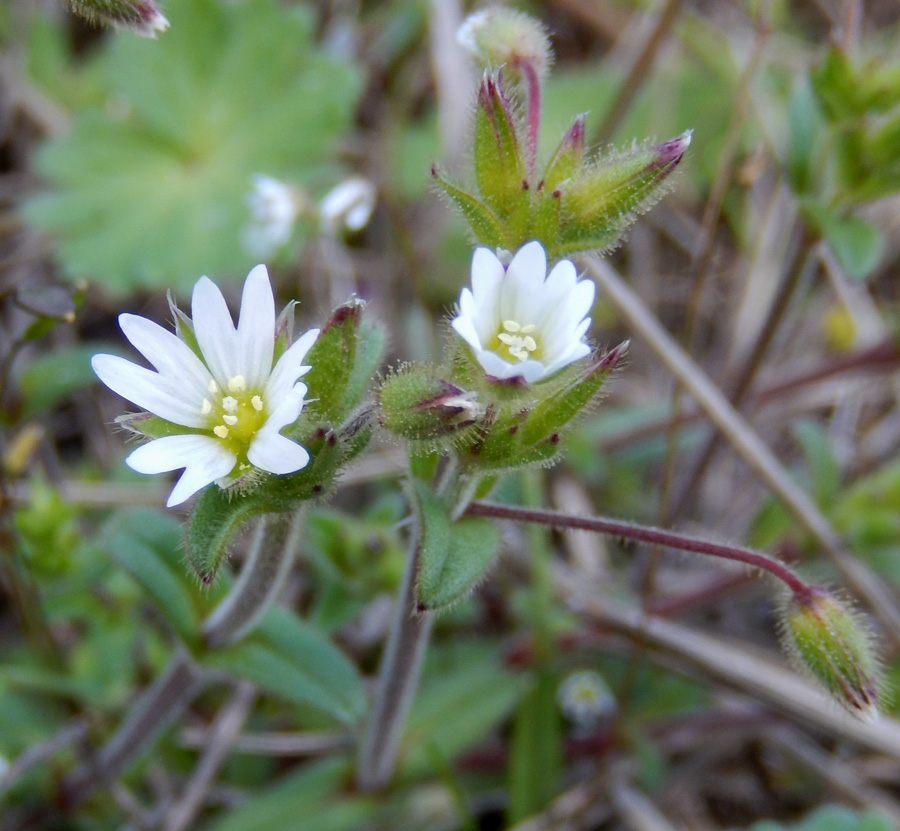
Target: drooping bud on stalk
[(501, 37), (139, 16), (420, 407), (831, 641)]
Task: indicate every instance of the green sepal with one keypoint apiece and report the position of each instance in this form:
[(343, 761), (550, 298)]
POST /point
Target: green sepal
[(545, 219), (567, 158), (499, 166), (154, 427), (485, 225), (332, 358), (184, 326), (552, 413), (604, 199), (454, 556), (219, 513)]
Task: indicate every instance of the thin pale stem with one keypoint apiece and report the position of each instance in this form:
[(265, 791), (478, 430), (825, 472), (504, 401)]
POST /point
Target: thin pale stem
[(157, 707), (397, 680), (272, 554), (642, 533)]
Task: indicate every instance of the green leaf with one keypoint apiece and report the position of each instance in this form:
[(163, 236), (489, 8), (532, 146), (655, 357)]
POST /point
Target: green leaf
[(51, 378), (147, 189), (310, 797), (535, 757), (295, 661), (825, 472), (856, 243), (465, 694), (216, 518), (149, 544), (454, 555)]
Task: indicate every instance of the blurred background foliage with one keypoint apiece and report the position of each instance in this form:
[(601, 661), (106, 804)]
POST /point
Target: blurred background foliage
[(124, 169)]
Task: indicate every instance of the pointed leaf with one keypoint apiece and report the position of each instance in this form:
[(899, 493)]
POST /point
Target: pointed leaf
[(295, 661)]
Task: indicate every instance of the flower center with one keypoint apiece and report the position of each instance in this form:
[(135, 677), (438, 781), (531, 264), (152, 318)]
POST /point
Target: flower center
[(517, 339), (234, 414)]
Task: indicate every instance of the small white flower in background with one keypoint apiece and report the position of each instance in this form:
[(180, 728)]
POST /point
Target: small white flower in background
[(274, 208), (520, 321), (349, 206), (230, 397), (584, 698)]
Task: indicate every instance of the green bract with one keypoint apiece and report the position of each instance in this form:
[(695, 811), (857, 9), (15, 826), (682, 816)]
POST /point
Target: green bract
[(149, 189), (577, 203)]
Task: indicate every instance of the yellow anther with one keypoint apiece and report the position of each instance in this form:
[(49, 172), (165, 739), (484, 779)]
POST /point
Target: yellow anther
[(529, 328), (221, 431), (206, 407), (529, 343), (237, 384), (229, 404), (230, 420), (509, 340), (212, 386), (511, 326), (257, 403)]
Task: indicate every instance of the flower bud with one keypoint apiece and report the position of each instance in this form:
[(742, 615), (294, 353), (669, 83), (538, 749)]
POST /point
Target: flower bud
[(348, 206), (832, 642), (419, 407), (568, 157), (599, 203), (500, 37), (139, 16)]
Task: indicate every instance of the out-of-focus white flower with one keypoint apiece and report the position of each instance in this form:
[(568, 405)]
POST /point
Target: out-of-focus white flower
[(520, 321), (228, 394), (274, 208), (348, 206), (584, 698)]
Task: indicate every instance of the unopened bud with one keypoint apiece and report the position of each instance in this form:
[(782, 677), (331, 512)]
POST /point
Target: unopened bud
[(832, 642), (349, 206), (567, 159), (499, 166), (500, 37), (419, 407), (603, 200), (139, 16)]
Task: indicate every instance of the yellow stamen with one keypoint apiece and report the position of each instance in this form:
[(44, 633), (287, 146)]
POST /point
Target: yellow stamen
[(229, 404), (237, 384), (221, 431), (511, 326), (213, 387), (206, 407), (230, 420)]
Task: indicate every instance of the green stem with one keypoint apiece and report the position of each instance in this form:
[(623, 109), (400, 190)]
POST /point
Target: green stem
[(272, 554), (398, 678)]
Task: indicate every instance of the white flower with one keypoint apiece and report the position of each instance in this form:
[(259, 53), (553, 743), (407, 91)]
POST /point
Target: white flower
[(585, 698), (274, 207), (348, 206), (231, 398), (521, 322)]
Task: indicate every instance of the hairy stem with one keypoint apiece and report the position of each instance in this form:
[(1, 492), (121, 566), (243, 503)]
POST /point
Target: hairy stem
[(398, 678), (271, 557), (158, 706), (642, 533)]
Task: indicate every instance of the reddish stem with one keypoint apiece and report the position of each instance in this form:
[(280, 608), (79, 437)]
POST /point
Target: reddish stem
[(630, 531), (534, 114)]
